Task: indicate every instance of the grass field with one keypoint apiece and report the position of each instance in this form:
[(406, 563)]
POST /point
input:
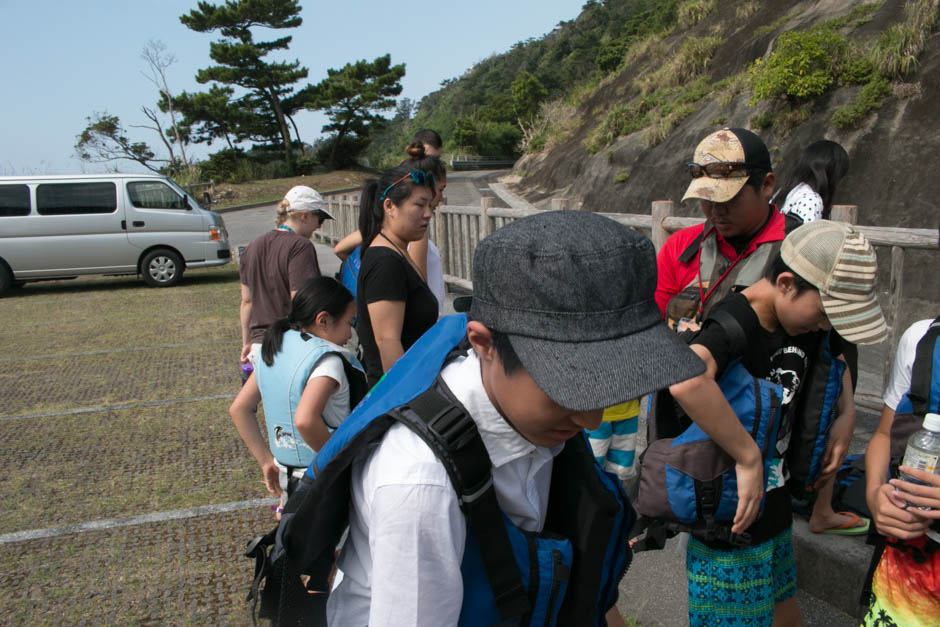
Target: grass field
[(114, 404), (233, 194)]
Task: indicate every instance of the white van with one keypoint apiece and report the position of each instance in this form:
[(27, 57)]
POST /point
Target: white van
[(55, 227)]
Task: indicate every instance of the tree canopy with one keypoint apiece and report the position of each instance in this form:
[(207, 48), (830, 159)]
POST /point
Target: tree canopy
[(241, 59), (352, 96)]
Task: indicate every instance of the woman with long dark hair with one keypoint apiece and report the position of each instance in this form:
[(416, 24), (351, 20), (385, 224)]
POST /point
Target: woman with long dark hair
[(425, 254), (307, 382), (394, 304)]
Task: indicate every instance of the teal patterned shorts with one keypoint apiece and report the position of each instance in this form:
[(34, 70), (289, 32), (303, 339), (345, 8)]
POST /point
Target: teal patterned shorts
[(739, 586)]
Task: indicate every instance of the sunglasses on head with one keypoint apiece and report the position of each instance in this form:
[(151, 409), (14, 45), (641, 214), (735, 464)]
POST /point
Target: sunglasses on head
[(418, 177), (718, 170)]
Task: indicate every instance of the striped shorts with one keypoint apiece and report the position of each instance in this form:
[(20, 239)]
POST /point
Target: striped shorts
[(739, 586), (614, 441)]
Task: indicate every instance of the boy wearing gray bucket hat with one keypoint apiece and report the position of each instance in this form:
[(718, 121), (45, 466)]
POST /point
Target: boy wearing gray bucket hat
[(563, 324)]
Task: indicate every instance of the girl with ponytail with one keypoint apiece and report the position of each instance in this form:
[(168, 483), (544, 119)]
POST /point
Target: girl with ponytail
[(307, 382)]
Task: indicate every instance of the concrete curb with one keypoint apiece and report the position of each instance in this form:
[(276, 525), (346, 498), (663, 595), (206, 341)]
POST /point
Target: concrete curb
[(831, 567)]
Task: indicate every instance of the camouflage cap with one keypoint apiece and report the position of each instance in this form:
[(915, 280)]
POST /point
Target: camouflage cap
[(729, 145)]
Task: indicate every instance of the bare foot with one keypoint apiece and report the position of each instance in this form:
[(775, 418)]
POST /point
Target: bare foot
[(819, 522)]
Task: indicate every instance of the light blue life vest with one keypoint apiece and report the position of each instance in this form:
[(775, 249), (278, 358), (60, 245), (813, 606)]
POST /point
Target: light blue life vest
[(566, 575), (282, 384)]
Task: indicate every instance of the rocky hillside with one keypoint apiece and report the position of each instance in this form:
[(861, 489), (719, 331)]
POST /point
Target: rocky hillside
[(848, 71)]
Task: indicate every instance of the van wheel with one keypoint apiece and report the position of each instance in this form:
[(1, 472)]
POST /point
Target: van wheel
[(6, 280), (161, 268)]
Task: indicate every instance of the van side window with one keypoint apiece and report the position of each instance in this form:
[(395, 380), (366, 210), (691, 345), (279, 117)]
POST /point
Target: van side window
[(154, 195), (57, 199), (14, 200)]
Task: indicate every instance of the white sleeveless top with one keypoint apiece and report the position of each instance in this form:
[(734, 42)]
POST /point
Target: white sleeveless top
[(436, 276)]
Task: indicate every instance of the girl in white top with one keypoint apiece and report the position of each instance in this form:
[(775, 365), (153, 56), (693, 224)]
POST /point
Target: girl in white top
[(811, 185), (323, 308)]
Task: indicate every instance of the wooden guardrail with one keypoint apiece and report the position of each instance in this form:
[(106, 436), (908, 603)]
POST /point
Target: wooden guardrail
[(458, 229)]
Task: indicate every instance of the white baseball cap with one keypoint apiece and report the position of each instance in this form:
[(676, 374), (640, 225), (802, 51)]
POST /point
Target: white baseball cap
[(303, 198)]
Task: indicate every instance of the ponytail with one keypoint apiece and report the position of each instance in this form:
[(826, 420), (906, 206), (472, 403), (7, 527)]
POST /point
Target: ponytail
[(273, 338), (370, 214), (315, 295)]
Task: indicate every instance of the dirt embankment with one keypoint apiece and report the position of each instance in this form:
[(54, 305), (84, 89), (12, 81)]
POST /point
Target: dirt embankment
[(893, 152)]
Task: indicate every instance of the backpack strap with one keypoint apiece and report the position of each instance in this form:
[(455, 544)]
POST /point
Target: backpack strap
[(733, 330), (450, 432), (257, 549), (692, 249), (358, 387), (922, 370)]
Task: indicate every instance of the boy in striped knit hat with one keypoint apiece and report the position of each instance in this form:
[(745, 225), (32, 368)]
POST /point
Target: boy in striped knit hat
[(824, 277)]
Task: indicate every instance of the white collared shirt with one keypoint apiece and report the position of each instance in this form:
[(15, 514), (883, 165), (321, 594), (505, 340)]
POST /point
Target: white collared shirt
[(401, 561)]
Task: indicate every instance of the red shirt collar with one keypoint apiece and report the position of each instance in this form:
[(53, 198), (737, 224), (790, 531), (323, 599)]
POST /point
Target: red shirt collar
[(773, 231)]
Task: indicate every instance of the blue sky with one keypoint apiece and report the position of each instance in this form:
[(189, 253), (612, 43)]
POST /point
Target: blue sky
[(64, 60)]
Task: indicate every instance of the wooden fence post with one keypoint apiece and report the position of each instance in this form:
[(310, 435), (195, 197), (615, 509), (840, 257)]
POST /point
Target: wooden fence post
[(893, 319), (561, 204), (485, 203), (845, 213), (442, 241), (661, 210)]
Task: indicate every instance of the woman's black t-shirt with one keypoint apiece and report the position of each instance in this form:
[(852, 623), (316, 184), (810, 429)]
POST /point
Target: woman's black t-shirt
[(777, 357), (386, 275)]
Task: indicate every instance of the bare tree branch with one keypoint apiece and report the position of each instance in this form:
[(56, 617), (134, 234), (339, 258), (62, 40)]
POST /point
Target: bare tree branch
[(158, 60)]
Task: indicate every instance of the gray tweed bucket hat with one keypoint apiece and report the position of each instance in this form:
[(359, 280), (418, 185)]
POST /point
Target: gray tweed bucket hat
[(574, 292)]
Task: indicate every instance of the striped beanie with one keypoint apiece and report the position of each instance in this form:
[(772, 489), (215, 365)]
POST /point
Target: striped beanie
[(840, 263)]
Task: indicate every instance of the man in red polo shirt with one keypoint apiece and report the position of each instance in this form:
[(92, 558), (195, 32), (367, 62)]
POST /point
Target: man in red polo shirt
[(698, 266)]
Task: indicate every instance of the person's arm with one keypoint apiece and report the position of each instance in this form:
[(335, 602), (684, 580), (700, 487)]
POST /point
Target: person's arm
[(244, 317), (388, 318), (345, 246), (888, 506), (418, 251), (840, 435), (246, 422), (703, 401), (667, 272), (309, 413)]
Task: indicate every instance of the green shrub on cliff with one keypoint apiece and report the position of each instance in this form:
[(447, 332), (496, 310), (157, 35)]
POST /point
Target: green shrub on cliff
[(803, 65)]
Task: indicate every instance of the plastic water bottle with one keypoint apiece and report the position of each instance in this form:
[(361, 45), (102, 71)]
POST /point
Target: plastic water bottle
[(247, 369), (923, 451)]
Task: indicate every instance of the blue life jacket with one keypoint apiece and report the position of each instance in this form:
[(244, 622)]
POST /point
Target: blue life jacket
[(814, 414), (688, 483), (686, 480), (568, 574), (282, 384), (349, 273)]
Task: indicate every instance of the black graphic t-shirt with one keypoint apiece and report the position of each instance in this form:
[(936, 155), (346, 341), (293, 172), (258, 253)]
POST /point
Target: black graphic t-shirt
[(777, 357)]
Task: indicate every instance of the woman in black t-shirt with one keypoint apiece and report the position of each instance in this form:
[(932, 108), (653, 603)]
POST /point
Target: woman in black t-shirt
[(393, 301)]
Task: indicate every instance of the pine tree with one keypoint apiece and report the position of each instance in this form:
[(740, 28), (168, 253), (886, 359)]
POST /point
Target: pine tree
[(241, 58)]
